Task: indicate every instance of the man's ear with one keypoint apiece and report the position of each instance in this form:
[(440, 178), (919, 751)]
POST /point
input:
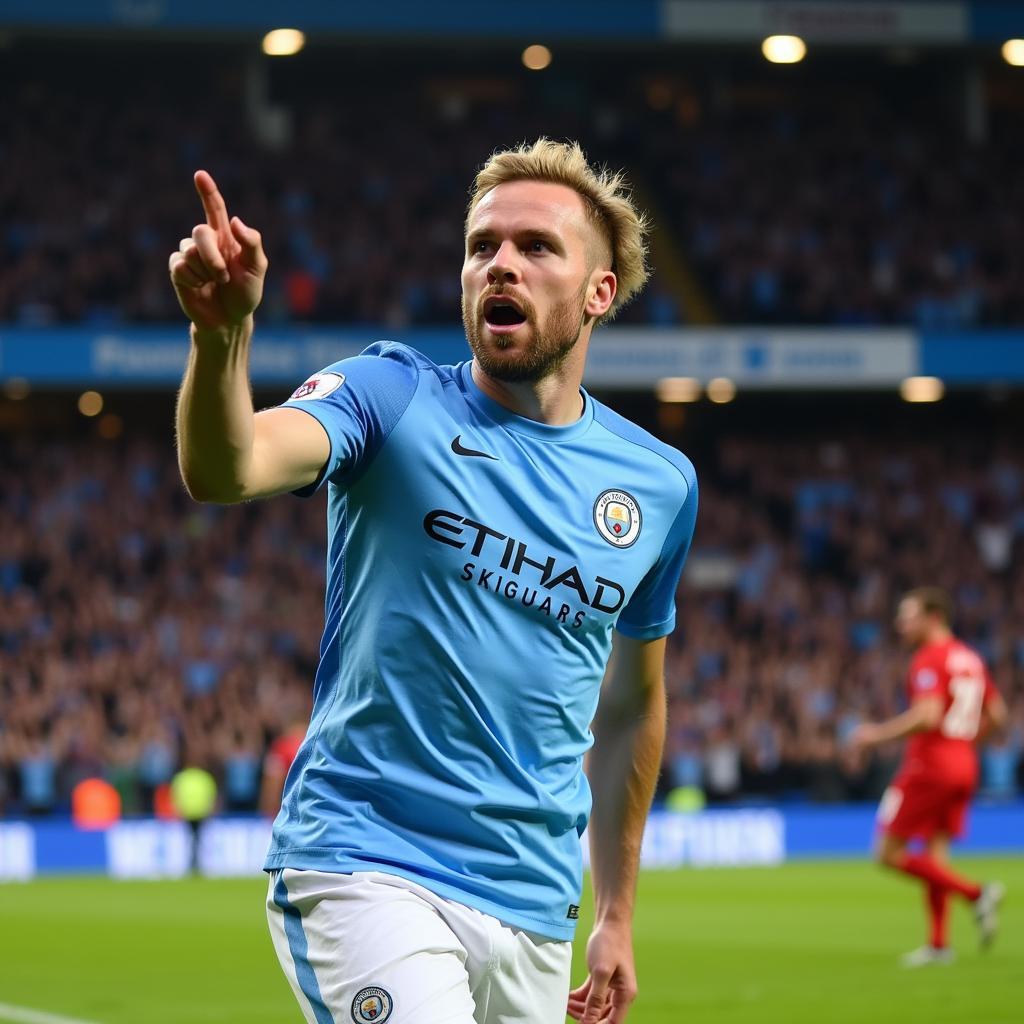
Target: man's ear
[(600, 293)]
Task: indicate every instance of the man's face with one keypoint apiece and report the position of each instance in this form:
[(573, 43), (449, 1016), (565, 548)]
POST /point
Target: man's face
[(911, 622), (528, 280)]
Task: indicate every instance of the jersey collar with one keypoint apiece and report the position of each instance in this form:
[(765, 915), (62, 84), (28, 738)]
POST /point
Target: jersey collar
[(522, 424)]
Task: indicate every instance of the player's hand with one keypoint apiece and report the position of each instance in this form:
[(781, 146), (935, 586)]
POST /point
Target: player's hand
[(610, 987), (218, 273), (863, 737)]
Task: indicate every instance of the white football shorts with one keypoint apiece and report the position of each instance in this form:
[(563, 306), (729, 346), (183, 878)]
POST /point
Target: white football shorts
[(368, 947)]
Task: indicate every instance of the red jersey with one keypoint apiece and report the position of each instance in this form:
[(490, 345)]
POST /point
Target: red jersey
[(951, 670), (283, 750)]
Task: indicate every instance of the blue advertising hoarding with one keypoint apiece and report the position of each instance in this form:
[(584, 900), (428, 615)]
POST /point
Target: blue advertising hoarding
[(937, 22), (620, 357), (885, 22), (597, 18), (740, 837)]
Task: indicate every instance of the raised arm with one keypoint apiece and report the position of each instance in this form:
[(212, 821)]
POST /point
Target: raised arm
[(226, 452), (622, 766)]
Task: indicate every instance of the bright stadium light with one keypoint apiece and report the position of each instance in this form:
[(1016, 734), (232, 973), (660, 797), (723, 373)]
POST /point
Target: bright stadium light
[(90, 403), (677, 389), (922, 389), (536, 57), (283, 42), (784, 49), (1013, 52), (721, 390)]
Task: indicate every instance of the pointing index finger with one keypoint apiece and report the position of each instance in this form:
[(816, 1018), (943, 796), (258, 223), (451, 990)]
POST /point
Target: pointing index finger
[(213, 203)]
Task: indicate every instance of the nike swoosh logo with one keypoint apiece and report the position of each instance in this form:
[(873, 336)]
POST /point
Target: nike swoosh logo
[(459, 450)]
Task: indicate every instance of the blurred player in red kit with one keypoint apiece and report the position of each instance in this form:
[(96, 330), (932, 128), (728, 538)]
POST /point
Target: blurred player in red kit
[(952, 703), (278, 760)]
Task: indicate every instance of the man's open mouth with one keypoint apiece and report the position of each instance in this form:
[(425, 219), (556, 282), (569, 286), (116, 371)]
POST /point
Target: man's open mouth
[(502, 314)]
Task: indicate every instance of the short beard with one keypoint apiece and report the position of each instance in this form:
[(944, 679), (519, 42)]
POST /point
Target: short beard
[(550, 347)]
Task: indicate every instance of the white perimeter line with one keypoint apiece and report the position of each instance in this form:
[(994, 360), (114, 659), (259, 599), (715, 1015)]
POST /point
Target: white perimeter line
[(23, 1015)]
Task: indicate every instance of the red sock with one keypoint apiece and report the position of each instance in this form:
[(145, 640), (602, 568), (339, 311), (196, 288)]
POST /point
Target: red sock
[(938, 913), (920, 865)]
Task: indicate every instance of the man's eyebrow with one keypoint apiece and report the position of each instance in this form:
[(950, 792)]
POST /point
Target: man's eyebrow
[(545, 236), (477, 234)]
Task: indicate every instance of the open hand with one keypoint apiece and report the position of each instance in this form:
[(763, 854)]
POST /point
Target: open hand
[(610, 988), (218, 273)]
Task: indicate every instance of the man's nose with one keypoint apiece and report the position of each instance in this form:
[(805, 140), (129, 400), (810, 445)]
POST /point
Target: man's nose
[(504, 267)]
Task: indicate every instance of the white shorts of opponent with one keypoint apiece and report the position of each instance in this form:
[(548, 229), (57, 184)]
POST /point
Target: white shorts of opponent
[(369, 947)]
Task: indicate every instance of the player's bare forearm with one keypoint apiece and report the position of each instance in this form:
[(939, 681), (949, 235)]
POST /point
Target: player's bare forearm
[(920, 716), (623, 773), (623, 766), (215, 415), (994, 716)]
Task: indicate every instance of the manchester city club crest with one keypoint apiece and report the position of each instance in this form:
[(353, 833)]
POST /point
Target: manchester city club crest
[(617, 518), (372, 1004)]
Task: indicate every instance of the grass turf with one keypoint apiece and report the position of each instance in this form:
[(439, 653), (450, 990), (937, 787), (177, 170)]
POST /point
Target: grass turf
[(807, 943)]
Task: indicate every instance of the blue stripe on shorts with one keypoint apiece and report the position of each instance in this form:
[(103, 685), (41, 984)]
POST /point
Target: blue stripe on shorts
[(300, 952)]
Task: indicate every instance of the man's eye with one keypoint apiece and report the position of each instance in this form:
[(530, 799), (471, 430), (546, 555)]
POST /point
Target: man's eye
[(538, 246), (481, 246)]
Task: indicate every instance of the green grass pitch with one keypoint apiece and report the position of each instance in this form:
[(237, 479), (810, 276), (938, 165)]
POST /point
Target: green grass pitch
[(816, 943)]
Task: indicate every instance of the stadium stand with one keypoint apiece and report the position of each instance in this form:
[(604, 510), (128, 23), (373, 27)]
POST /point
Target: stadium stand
[(131, 644), (140, 632), (834, 204)]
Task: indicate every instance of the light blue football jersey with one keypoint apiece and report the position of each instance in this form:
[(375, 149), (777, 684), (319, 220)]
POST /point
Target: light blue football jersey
[(477, 564)]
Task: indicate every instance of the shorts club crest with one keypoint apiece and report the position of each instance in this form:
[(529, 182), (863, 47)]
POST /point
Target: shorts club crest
[(617, 518), (371, 1004)]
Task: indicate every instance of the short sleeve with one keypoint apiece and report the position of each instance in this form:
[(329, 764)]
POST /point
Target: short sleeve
[(358, 402), (651, 611), (924, 678)]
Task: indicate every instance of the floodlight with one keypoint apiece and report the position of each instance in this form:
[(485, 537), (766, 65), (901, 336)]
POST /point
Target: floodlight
[(536, 57), (283, 42), (922, 389), (784, 49), (721, 390)]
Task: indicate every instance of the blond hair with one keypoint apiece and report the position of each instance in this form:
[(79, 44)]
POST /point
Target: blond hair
[(606, 197)]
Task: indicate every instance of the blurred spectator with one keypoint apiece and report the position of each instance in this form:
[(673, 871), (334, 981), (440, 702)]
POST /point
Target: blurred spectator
[(276, 764), (133, 622), (857, 200), (798, 646), (139, 631)]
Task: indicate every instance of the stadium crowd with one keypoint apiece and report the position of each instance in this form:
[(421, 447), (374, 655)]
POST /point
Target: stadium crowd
[(140, 632), (785, 641), (824, 206), (854, 216)]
